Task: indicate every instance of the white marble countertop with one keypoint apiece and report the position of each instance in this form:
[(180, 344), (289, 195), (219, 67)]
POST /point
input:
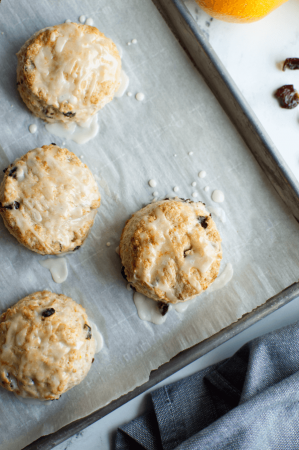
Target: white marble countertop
[(253, 55)]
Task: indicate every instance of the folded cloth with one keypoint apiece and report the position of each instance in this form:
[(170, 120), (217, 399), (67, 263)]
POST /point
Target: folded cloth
[(249, 401)]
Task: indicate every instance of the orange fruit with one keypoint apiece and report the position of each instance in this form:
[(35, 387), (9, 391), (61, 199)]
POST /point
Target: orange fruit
[(239, 10)]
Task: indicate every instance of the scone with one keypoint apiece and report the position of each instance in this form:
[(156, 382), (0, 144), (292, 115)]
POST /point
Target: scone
[(46, 346), (68, 72), (170, 250), (48, 200)]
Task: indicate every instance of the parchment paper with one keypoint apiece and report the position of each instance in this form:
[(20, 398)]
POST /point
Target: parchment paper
[(137, 142)]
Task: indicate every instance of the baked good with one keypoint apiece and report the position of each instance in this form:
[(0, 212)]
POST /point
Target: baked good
[(46, 346), (48, 200), (68, 72), (170, 250)]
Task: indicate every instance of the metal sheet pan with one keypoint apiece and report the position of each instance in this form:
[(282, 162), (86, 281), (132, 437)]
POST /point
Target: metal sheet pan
[(204, 58)]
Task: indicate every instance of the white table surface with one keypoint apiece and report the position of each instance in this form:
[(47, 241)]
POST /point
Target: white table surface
[(253, 54)]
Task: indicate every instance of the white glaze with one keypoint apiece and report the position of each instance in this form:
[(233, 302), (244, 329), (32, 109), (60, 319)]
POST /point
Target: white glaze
[(108, 244), (190, 153), (218, 196), (152, 183), (193, 184), (163, 251), (202, 174), (57, 267), (207, 188), (148, 310), (218, 212), (223, 279), (183, 306), (33, 128), (82, 19), (68, 21), (89, 21), (117, 250), (99, 341), (176, 189), (134, 41), (140, 96), (129, 287), (175, 155), (129, 94), (203, 257), (71, 71), (124, 83), (59, 213), (155, 194), (80, 132), (194, 194), (44, 353), (128, 43)]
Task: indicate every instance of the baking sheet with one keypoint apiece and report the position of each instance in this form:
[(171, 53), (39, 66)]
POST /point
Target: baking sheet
[(137, 142)]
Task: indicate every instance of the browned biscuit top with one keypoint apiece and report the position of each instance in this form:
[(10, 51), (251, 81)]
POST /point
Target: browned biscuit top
[(171, 250), (46, 346), (49, 199), (68, 71)]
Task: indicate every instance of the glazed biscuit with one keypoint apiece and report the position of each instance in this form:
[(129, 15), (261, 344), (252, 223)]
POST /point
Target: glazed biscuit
[(68, 72), (171, 250), (46, 346), (48, 200)]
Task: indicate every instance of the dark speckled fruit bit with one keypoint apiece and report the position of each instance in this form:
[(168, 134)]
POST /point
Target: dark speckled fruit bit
[(287, 96), (69, 114), (45, 111), (163, 308), (123, 273), (88, 328), (291, 63), (186, 200), (12, 172), (53, 143), (4, 170), (76, 248), (16, 205), (11, 206), (9, 380), (48, 312), (92, 361), (203, 221), (186, 252)]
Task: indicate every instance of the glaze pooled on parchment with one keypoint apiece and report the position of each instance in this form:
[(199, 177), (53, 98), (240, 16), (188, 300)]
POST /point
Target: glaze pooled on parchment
[(57, 267)]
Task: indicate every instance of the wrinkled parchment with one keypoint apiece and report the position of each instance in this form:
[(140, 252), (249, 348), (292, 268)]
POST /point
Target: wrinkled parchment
[(137, 142)]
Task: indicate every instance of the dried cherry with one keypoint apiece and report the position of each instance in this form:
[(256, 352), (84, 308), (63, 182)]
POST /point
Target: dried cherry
[(163, 308), (203, 220), (287, 96), (88, 328), (48, 312), (291, 63)]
